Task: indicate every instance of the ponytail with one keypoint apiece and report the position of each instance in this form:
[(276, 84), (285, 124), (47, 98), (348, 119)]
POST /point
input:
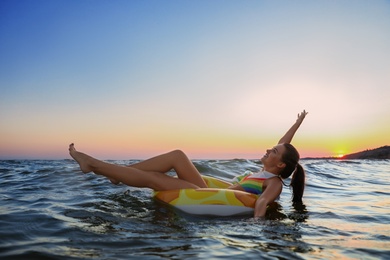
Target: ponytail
[(291, 157), (298, 184)]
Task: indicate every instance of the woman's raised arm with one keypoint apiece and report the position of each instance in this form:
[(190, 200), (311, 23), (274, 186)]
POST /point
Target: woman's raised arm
[(288, 136)]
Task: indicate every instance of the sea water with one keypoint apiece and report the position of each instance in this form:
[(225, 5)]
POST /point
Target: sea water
[(50, 210)]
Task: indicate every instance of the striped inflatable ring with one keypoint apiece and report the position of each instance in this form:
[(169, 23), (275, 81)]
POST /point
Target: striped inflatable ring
[(216, 200)]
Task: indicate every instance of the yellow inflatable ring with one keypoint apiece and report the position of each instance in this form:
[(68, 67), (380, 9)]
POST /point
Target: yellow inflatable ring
[(216, 200)]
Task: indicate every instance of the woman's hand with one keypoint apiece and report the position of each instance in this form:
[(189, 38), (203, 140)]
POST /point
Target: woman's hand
[(301, 116), (288, 136)]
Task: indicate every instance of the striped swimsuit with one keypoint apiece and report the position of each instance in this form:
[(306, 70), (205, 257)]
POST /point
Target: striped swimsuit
[(253, 182)]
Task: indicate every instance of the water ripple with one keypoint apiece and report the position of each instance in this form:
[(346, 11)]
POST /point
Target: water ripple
[(50, 210)]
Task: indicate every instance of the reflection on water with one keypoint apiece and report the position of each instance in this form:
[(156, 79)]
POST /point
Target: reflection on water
[(50, 210)]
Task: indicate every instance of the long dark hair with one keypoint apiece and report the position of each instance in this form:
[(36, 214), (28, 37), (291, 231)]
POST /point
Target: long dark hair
[(291, 157)]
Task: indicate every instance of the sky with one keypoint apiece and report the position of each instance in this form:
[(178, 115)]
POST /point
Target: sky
[(216, 79)]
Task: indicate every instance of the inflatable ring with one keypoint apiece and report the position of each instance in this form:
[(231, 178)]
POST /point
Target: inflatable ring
[(216, 200)]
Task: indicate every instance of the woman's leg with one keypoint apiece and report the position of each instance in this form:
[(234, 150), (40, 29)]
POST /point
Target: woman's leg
[(176, 160), (129, 175)]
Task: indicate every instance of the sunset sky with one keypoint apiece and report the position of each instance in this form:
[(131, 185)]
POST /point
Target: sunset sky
[(218, 79)]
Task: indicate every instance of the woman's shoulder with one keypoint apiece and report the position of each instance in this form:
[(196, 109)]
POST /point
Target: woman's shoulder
[(274, 181)]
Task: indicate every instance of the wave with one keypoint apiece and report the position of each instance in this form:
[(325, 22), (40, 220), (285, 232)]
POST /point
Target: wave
[(50, 209)]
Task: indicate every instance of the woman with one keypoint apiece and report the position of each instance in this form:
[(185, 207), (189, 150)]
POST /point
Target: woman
[(278, 163)]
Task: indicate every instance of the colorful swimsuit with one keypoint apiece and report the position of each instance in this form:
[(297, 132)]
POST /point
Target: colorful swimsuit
[(253, 182)]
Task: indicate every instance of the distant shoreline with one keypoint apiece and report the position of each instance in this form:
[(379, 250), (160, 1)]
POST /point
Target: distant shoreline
[(377, 153)]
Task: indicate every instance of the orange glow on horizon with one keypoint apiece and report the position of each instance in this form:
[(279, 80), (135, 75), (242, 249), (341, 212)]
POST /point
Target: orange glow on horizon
[(199, 143), (138, 149)]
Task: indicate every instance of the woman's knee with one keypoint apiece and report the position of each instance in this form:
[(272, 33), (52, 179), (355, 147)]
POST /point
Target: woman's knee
[(178, 154)]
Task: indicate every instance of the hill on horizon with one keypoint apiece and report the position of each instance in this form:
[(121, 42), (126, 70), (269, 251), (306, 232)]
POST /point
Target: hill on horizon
[(377, 153)]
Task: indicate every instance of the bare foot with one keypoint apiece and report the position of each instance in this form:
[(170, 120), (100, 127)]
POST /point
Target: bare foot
[(81, 158)]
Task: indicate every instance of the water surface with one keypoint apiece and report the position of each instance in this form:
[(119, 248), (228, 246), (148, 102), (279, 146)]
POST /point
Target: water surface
[(50, 210)]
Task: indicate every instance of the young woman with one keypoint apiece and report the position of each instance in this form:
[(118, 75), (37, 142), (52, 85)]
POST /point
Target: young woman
[(279, 163)]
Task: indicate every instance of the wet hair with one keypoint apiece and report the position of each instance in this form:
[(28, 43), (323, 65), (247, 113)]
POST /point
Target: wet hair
[(291, 157)]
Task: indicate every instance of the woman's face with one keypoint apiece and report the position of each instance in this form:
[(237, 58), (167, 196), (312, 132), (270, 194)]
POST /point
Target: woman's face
[(273, 157)]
